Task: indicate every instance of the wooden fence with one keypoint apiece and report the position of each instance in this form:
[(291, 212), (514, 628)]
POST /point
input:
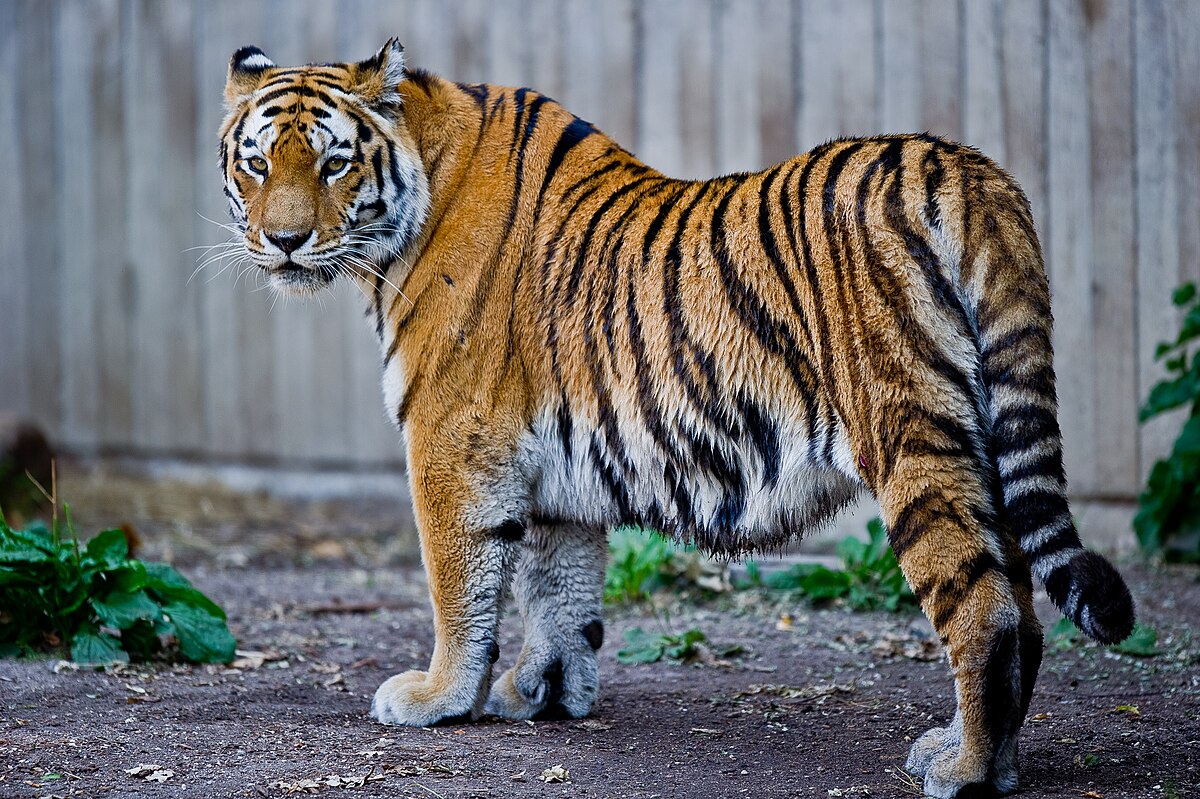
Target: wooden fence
[(108, 113)]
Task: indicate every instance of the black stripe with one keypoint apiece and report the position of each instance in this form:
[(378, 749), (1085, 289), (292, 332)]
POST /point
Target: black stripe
[(571, 135), (405, 405), (565, 428), (612, 482), (303, 90), (1002, 687)]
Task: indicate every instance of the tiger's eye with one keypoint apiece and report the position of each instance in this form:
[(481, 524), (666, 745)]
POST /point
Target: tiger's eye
[(333, 166), (257, 164)]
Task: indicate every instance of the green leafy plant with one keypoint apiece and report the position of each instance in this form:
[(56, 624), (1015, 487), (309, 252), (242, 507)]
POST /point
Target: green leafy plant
[(685, 647), (1142, 642), (637, 563), (98, 603), (642, 561), (870, 577), (1168, 517)]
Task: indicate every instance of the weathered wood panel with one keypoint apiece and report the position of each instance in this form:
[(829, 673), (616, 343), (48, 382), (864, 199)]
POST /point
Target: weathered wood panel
[(108, 113)]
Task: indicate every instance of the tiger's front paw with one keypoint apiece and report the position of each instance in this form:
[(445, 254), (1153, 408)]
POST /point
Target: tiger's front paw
[(550, 686), (415, 699)]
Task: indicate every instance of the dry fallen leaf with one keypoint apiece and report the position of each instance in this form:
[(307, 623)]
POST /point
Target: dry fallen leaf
[(253, 659), (595, 725), (556, 774), (518, 777), (150, 772)]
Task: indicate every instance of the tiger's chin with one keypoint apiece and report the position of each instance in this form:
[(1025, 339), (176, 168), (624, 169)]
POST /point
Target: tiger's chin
[(297, 279)]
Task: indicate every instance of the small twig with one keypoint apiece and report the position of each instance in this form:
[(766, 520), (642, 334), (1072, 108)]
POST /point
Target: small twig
[(350, 607), (429, 790)]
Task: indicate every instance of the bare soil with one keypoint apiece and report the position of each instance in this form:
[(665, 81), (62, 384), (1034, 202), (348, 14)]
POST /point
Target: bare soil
[(823, 702)]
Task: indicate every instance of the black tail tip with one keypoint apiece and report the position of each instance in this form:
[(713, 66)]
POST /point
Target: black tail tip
[(1105, 607)]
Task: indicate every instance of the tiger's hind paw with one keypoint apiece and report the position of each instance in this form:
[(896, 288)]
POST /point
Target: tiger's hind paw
[(951, 773)]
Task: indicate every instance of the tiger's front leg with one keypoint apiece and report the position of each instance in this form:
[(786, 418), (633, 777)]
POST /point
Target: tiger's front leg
[(558, 589), (468, 547)]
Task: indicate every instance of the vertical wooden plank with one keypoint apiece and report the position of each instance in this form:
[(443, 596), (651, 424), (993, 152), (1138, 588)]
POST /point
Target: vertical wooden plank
[(983, 109), (1166, 97), (14, 272), (1157, 201), (542, 45), (470, 35), (39, 175), (676, 97), (1114, 276), (83, 28), (660, 86), (508, 37), (109, 197), (737, 77), (777, 80), (433, 37), (698, 97), (900, 83), (168, 367), (1069, 245), (1023, 44), (222, 26), (598, 70), (941, 68), (838, 96), (1186, 29)]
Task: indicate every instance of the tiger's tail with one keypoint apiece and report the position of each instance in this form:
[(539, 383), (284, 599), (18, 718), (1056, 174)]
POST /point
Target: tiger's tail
[(1014, 328)]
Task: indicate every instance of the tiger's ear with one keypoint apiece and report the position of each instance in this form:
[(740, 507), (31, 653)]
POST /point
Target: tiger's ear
[(245, 73), (377, 80)]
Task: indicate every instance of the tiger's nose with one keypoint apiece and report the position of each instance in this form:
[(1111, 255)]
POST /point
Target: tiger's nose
[(288, 242)]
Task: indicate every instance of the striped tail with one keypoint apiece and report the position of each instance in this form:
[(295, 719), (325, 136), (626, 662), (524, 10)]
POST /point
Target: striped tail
[(1014, 322)]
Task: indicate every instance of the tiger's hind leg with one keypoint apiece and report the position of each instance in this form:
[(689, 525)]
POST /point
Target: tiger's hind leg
[(975, 589), (558, 587)]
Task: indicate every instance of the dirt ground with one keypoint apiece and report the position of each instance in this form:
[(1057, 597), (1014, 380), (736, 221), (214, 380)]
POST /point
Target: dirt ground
[(822, 702)]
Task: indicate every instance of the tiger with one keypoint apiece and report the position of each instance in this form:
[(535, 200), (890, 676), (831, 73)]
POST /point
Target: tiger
[(571, 340)]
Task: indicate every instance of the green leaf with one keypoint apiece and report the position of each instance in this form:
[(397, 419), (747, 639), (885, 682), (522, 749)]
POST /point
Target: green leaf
[(141, 640), (1188, 443), (121, 609), (1184, 294), (1168, 395), (203, 637), (89, 646), (825, 584), (683, 646), (1140, 643), (791, 579), (109, 548), (129, 576), (640, 647), (171, 586)]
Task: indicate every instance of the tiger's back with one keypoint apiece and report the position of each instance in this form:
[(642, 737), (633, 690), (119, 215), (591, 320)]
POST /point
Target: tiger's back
[(572, 340)]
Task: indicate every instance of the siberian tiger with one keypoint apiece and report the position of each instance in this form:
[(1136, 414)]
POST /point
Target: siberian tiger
[(572, 340)]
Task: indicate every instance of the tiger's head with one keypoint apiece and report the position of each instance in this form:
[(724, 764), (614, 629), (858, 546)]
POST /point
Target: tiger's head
[(322, 176)]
